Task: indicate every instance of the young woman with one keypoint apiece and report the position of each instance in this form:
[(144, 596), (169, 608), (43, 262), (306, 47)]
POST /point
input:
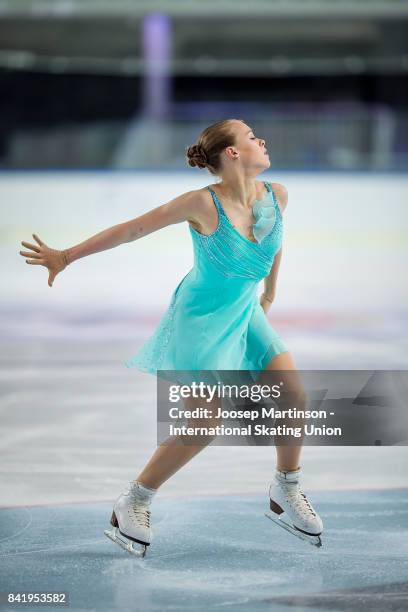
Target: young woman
[(215, 320)]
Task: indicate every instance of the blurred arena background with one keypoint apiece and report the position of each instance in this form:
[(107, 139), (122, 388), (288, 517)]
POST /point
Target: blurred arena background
[(127, 84), (99, 101)]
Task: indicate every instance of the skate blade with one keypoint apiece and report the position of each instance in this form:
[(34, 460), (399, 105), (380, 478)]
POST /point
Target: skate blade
[(115, 535), (313, 540)]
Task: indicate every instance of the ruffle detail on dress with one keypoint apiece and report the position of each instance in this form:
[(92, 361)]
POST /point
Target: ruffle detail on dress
[(265, 215)]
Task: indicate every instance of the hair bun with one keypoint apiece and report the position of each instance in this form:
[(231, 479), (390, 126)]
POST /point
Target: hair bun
[(196, 156)]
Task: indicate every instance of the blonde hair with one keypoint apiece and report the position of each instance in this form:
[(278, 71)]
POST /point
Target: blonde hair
[(205, 153)]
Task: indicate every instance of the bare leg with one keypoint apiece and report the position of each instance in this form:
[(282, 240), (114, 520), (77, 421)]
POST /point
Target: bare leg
[(287, 455), (178, 450)]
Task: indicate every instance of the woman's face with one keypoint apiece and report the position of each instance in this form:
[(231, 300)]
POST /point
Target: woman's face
[(251, 149)]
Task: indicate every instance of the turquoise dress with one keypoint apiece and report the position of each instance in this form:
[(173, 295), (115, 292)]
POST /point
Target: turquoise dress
[(214, 320)]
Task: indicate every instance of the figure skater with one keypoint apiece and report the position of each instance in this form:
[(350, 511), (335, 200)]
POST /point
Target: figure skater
[(215, 320)]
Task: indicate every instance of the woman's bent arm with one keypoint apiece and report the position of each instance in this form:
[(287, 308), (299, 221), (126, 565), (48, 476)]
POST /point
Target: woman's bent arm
[(271, 279), (181, 208)]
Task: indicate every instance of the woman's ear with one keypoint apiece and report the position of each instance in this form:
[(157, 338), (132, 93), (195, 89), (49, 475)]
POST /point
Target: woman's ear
[(231, 152)]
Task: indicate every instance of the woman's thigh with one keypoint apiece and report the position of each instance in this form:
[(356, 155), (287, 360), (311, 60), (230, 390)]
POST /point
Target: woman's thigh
[(282, 370), (205, 411)]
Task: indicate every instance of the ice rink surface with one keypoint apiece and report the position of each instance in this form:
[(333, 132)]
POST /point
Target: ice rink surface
[(215, 553), (77, 425)]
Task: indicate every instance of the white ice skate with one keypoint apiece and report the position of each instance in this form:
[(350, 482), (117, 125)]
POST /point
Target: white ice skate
[(130, 520), (285, 496)]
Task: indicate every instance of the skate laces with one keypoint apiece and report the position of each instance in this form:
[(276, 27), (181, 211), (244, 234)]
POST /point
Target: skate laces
[(297, 498), (138, 506), (139, 510), (142, 515)]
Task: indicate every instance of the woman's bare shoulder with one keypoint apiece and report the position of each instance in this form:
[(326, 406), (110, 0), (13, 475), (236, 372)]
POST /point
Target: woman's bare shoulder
[(203, 215), (185, 206)]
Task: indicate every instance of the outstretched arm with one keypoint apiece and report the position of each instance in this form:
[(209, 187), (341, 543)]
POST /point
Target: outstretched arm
[(175, 211), (181, 208)]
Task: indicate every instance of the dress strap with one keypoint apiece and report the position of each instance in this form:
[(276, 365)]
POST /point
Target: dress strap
[(216, 201), (269, 188)]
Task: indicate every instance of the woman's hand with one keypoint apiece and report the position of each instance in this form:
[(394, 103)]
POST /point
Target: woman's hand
[(266, 302), (42, 255)]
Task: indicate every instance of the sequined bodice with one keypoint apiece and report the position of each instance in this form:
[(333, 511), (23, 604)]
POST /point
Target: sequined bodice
[(233, 255)]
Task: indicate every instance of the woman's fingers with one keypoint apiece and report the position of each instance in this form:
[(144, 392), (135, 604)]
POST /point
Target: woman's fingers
[(43, 255), (37, 239), (28, 254), (34, 247)]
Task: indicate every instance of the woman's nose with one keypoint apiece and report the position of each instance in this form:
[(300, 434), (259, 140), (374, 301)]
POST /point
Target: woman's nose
[(262, 142)]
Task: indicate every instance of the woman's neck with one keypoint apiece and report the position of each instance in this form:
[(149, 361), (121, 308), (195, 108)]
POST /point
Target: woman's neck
[(241, 191)]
